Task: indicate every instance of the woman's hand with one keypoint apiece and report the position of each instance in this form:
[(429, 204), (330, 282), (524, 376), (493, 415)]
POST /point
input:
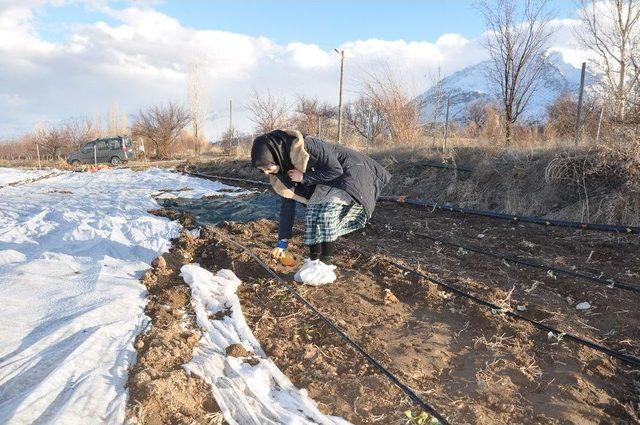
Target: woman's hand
[(278, 251), (296, 176)]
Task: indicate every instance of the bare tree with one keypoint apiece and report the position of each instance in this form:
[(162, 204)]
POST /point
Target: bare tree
[(517, 35), (400, 109), (54, 141), (611, 31), (198, 104), (161, 125), (438, 100), (365, 119), (475, 115), (313, 116), (80, 131), (114, 126), (267, 112)]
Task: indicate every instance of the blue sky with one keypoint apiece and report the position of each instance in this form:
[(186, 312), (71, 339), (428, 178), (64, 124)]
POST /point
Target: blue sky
[(326, 23)]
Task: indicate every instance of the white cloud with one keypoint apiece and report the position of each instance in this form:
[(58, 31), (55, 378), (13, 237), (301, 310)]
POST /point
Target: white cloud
[(143, 58)]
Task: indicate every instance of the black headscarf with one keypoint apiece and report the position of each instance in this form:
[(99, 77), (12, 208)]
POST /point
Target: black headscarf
[(272, 148)]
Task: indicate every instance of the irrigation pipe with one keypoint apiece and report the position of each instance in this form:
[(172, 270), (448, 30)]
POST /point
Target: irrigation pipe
[(446, 166), (559, 335), (610, 283), (454, 208), (625, 358), (375, 363), (503, 216)]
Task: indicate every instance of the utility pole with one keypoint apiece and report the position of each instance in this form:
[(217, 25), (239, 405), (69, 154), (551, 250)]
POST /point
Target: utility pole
[(195, 141), (230, 114), (446, 128), (230, 122), (579, 112), (341, 52)]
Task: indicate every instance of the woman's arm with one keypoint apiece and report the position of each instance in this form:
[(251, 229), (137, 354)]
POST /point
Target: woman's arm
[(326, 165), (287, 215)]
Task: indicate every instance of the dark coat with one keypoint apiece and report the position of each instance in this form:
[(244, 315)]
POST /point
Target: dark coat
[(331, 165), (336, 166)]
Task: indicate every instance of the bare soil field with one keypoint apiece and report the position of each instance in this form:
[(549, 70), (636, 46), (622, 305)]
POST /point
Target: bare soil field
[(474, 365)]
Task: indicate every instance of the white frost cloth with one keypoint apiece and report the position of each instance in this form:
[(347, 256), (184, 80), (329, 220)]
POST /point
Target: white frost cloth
[(17, 175), (72, 249), (247, 395)]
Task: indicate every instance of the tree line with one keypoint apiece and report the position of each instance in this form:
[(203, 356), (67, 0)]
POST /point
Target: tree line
[(386, 112)]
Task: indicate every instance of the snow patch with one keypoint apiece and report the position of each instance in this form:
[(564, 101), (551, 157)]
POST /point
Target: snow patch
[(249, 395)]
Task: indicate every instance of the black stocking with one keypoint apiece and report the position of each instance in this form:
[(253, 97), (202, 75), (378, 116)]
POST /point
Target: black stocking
[(327, 250), (314, 251)]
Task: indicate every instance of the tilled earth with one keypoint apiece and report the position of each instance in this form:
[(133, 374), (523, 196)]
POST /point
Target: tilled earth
[(472, 364)]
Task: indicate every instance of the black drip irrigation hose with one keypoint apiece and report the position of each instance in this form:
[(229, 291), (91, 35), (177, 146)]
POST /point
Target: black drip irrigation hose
[(375, 363), (454, 208), (625, 358), (559, 335), (446, 166), (610, 283), (503, 216)]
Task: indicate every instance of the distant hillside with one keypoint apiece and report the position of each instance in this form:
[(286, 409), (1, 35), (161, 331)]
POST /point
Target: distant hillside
[(471, 84)]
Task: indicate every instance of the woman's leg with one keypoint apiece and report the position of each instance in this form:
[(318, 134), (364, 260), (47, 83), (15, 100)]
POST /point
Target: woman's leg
[(326, 252), (315, 251)]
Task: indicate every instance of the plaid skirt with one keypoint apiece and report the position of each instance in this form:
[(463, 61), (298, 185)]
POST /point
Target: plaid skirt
[(327, 222)]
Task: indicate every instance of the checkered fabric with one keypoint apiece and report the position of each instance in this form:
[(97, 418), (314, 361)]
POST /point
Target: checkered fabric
[(327, 222)]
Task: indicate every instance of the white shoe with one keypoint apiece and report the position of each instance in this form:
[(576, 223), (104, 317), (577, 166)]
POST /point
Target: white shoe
[(315, 273)]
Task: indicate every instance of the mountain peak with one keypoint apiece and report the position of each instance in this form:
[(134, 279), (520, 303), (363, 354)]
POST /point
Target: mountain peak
[(472, 84)]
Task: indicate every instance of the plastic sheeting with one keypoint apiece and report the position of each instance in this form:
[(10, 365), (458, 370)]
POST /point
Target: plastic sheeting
[(248, 395)]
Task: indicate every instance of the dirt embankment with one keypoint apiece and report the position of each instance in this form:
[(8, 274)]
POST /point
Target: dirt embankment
[(586, 185)]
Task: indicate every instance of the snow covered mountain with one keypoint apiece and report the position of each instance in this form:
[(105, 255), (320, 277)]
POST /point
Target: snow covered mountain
[(471, 84)]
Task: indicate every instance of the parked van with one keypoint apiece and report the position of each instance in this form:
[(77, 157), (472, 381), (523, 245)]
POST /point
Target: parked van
[(114, 150)]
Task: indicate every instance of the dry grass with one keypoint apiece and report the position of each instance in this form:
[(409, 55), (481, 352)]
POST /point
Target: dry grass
[(595, 184)]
